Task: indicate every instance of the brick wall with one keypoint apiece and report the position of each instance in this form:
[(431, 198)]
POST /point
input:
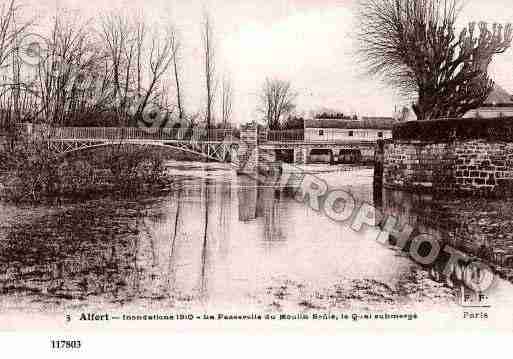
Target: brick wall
[(476, 166)]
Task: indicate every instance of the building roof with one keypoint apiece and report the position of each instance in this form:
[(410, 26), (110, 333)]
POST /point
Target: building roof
[(499, 97), (499, 103), (372, 123)]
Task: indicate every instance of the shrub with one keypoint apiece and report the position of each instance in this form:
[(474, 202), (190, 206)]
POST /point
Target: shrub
[(31, 171)]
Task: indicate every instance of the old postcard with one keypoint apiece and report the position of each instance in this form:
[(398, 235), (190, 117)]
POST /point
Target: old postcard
[(287, 165)]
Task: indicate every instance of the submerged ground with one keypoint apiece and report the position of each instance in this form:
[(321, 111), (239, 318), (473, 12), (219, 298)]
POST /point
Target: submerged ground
[(218, 241)]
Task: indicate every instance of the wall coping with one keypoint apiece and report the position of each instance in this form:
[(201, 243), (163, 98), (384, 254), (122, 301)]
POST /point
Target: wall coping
[(450, 130)]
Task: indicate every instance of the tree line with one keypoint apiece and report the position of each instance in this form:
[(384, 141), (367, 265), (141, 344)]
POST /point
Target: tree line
[(112, 70)]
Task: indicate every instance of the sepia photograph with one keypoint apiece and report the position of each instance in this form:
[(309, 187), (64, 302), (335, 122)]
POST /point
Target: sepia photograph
[(241, 165)]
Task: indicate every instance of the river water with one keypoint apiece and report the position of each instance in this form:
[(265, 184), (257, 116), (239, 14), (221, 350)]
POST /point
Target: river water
[(217, 241)]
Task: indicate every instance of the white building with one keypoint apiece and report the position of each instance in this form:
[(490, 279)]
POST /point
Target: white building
[(366, 129)]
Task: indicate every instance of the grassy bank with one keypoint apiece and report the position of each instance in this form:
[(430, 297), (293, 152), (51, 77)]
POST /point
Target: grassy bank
[(31, 172)]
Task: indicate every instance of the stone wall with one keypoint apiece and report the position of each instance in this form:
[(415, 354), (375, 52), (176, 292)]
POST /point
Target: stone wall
[(267, 162), (299, 155), (461, 156), (247, 157), (250, 159), (460, 166)]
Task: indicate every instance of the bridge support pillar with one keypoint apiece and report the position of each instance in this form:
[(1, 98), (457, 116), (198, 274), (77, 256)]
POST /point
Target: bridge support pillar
[(268, 164), (367, 155), (300, 155), (247, 156), (3, 143)]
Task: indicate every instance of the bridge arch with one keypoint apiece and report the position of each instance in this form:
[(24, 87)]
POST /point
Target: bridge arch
[(219, 152)]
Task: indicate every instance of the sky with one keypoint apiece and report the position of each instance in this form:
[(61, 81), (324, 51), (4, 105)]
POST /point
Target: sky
[(307, 42)]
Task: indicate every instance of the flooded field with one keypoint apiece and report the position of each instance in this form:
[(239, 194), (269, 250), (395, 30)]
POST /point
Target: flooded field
[(218, 241)]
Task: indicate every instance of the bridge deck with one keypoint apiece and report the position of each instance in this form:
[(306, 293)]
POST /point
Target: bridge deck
[(134, 133), (268, 144), (139, 141), (266, 139)]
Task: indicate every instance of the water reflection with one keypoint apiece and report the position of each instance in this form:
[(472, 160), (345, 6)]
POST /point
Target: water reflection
[(262, 202), (481, 227), (247, 195), (445, 219), (219, 240)]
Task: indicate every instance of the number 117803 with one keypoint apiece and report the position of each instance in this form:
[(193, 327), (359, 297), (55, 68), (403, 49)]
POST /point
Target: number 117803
[(66, 344)]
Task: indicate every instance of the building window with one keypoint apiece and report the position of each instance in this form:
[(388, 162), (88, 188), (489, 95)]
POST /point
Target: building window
[(321, 132), (351, 133), (380, 134)]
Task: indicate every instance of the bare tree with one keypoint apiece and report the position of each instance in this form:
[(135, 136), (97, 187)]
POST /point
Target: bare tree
[(209, 63), (226, 101), (12, 30), (160, 57), (413, 45), (64, 74), (277, 100), (138, 60), (140, 36), (402, 114), (121, 46), (176, 47)]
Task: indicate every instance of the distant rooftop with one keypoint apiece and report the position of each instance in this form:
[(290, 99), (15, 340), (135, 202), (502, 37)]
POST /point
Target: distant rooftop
[(499, 97), (373, 123)]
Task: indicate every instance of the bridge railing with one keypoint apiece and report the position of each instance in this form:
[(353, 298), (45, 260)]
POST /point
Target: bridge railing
[(134, 133), (286, 136)]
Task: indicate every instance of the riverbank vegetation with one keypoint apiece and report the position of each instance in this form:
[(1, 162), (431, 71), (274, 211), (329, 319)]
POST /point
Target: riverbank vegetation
[(31, 171)]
